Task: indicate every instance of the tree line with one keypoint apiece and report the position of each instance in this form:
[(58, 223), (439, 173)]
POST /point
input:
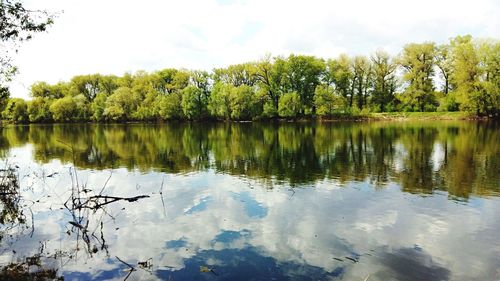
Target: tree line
[(460, 75)]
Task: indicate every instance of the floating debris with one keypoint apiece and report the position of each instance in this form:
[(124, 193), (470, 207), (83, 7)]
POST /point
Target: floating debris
[(207, 269), (146, 264), (351, 259)]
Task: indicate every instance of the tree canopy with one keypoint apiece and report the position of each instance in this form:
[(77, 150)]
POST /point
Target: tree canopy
[(462, 74)]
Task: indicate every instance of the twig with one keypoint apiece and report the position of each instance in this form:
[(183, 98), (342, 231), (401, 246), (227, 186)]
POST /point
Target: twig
[(161, 194), (132, 268)]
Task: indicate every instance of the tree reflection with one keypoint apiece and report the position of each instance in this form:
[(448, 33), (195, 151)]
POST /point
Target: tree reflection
[(458, 157)]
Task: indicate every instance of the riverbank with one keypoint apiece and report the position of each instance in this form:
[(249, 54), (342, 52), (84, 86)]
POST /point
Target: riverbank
[(385, 116), (424, 116)]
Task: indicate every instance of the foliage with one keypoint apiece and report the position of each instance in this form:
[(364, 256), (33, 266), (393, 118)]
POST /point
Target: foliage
[(64, 110), (194, 103), (327, 101), (39, 110), (121, 104), (289, 105), (170, 106), (462, 74), (16, 110), (417, 61)]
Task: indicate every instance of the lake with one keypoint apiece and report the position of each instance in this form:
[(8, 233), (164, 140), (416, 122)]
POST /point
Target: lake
[(252, 201)]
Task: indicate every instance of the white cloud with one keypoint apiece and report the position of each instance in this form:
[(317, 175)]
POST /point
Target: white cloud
[(118, 36)]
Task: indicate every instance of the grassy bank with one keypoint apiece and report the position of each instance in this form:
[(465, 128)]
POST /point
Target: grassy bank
[(385, 116), (422, 116)]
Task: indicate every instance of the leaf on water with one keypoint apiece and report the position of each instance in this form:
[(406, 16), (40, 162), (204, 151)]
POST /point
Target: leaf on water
[(204, 269), (207, 269)]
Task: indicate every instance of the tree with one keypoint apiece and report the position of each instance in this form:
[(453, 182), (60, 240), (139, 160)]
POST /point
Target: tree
[(289, 105), (362, 81), (237, 75), (302, 75), (17, 24), (417, 61), (44, 90), (86, 85), (218, 104), (39, 110), (121, 104), (172, 80), (98, 106), (242, 103), (269, 74), (466, 75), (489, 51), (327, 101), (444, 62), (194, 103), (340, 75), (384, 80), (16, 110), (170, 106), (63, 110)]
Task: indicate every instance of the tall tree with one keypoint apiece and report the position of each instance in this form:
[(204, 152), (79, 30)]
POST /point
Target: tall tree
[(363, 73), (302, 75), (444, 62), (384, 80), (417, 61), (340, 75), (270, 75)]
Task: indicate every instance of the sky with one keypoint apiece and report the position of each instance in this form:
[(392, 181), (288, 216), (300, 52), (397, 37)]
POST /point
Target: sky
[(118, 36)]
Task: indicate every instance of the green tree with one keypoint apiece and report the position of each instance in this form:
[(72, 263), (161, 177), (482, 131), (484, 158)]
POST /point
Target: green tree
[(302, 75), (471, 93), (243, 103), (417, 61), (16, 110), (86, 85), (218, 104), (147, 109), (237, 75), (121, 104), (444, 62), (327, 101), (63, 110), (44, 90), (170, 106), (363, 75), (98, 106), (270, 76), (289, 105), (39, 110), (384, 80), (194, 103), (340, 75), (489, 61)]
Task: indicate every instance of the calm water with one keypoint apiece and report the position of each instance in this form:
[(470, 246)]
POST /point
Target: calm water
[(250, 201)]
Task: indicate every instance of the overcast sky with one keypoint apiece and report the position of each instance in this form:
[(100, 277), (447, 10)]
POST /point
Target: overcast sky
[(116, 36)]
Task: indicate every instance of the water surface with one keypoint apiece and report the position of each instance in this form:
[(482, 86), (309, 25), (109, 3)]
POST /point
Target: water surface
[(253, 201)]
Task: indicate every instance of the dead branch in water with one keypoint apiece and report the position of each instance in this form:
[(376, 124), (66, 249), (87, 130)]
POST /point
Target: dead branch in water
[(97, 201)]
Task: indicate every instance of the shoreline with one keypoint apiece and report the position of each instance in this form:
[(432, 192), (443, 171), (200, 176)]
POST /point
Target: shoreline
[(386, 116)]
